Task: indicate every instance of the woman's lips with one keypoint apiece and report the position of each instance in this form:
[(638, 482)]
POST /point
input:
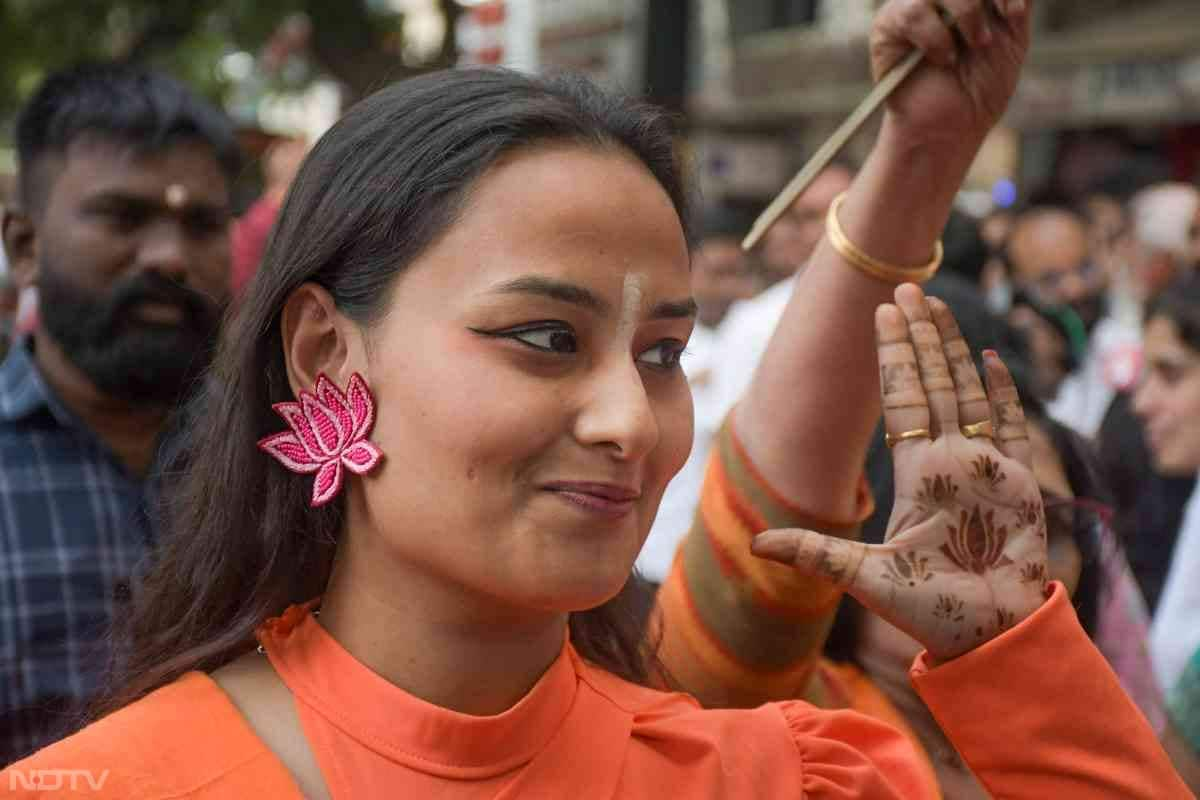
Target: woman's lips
[(604, 499)]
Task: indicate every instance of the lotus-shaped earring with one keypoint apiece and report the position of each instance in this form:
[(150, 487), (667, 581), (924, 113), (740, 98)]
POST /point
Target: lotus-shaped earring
[(328, 434)]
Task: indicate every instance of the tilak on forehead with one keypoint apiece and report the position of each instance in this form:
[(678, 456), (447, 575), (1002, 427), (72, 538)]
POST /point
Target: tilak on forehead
[(632, 293), (175, 196)]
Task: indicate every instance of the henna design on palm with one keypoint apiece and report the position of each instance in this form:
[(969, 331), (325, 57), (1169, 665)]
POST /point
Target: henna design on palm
[(964, 555), (1032, 572), (1029, 515), (987, 471), (977, 544), (908, 569), (939, 493)]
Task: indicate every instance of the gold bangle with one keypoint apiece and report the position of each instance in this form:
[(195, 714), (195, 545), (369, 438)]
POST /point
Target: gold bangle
[(877, 269)]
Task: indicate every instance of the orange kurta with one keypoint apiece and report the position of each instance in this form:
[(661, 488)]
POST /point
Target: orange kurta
[(1034, 727)]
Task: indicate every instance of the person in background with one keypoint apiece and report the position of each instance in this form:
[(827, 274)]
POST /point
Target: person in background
[(122, 225), (786, 249), (1168, 402), (791, 241), (733, 352), (252, 230), (722, 275), (1149, 505), (1049, 260)]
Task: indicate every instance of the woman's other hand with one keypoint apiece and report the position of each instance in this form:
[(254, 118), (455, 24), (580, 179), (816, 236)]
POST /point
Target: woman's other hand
[(965, 554), (974, 50)]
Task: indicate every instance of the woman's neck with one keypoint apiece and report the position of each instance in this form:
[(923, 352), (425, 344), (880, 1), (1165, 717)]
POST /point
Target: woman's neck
[(430, 637)]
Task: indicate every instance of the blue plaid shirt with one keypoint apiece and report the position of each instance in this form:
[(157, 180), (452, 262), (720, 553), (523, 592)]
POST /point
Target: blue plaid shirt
[(73, 527)]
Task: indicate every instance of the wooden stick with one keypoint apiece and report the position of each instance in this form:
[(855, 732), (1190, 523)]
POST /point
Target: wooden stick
[(816, 165)]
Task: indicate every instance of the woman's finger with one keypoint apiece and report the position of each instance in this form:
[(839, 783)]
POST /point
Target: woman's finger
[(969, 17), (1012, 435), (905, 407), (973, 406), (839, 561), (931, 359), (909, 24)]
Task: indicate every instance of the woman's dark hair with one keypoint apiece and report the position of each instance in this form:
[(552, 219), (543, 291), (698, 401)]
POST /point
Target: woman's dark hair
[(240, 542), (1180, 303)]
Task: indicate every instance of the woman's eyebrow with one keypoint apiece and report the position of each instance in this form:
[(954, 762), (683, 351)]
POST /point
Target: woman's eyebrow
[(585, 298), (555, 290), (674, 309)]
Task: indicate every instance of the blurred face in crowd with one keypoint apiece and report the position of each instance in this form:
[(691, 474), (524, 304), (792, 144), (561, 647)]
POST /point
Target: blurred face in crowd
[(528, 366), (791, 241), (1050, 257), (1168, 400), (721, 276), (1107, 229), (131, 253), (1048, 350)]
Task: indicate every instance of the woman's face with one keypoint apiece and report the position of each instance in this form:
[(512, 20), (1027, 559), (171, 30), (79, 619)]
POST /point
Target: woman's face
[(1168, 400), (530, 402)]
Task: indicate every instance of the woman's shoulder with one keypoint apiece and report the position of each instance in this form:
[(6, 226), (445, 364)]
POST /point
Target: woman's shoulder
[(184, 740)]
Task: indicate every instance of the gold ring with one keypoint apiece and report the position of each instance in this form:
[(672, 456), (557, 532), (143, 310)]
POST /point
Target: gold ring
[(891, 440), (978, 429)]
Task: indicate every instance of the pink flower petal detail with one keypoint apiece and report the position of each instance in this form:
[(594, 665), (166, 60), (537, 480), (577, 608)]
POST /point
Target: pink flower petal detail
[(294, 416), (289, 451), (362, 407), (361, 457), (333, 399), (324, 422), (327, 483)]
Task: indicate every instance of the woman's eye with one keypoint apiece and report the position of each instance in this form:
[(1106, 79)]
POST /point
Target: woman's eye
[(552, 340), (664, 355)]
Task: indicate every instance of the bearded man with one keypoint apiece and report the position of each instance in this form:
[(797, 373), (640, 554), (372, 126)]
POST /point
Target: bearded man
[(122, 226)]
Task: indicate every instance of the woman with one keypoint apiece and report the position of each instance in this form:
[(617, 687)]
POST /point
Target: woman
[(1168, 400), (478, 291)]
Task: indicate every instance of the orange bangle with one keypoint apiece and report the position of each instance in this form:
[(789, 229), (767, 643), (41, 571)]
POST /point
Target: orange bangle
[(873, 267)]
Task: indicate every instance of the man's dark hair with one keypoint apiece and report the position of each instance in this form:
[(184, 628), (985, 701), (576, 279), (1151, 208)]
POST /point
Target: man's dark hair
[(122, 103)]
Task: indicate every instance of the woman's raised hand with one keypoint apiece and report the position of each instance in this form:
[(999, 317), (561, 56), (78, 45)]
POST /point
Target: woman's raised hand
[(965, 555), (974, 50)]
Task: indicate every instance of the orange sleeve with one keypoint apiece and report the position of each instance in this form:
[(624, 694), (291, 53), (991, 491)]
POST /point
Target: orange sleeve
[(847, 755), (735, 630), (1037, 712)]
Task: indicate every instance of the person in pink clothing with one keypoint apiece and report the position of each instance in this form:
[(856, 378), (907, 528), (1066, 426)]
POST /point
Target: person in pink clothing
[(252, 230), (398, 553)]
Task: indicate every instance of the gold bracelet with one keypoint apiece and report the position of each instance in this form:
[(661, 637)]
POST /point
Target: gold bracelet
[(877, 269)]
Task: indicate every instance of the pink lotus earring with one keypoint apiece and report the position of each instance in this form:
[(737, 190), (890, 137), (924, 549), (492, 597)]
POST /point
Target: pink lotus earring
[(328, 432)]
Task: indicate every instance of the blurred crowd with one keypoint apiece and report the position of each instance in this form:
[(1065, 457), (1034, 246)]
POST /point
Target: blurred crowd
[(1093, 301)]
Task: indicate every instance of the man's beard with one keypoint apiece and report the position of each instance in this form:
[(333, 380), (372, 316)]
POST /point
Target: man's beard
[(126, 357)]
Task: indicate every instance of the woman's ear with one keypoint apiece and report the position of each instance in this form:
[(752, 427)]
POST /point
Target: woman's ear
[(317, 338)]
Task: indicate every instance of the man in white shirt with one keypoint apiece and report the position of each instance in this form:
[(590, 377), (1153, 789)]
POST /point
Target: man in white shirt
[(722, 358)]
